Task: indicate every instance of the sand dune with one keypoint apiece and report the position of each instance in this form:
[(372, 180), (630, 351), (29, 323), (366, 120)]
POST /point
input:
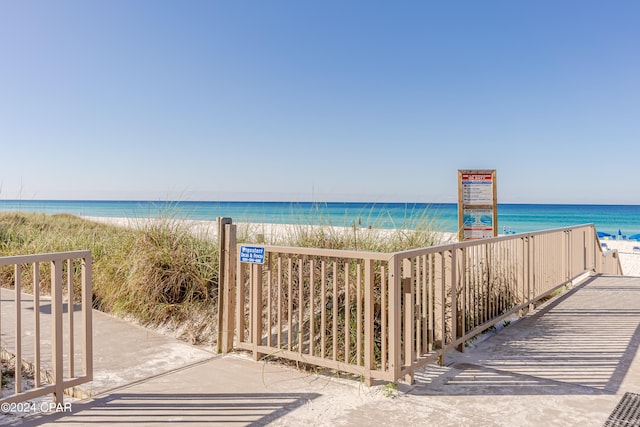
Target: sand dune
[(629, 258)]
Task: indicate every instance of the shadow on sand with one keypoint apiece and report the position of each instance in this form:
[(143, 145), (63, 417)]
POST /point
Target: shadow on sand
[(236, 409)]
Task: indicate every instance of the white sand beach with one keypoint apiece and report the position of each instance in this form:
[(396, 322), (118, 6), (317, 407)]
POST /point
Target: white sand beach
[(629, 258), (269, 233)]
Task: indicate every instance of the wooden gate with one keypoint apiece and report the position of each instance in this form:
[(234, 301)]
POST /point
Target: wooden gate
[(384, 315)]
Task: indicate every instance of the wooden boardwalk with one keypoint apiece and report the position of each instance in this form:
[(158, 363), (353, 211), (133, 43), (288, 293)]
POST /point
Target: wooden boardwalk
[(568, 363)]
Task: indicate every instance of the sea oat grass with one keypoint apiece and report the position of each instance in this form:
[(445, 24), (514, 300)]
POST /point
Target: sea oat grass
[(417, 230), (160, 273)]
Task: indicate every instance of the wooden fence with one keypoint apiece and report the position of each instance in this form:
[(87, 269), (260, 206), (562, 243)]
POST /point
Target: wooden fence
[(47, 332), (383, 315)]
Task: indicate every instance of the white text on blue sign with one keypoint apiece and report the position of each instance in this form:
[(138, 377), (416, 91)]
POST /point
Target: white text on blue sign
[(252, 254)]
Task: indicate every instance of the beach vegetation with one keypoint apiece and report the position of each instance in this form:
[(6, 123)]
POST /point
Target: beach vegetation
[(418, 229), (160, 273), (390, 389), (157, 273)]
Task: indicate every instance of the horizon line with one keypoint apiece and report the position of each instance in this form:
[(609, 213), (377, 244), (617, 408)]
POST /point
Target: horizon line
[(304, 201)]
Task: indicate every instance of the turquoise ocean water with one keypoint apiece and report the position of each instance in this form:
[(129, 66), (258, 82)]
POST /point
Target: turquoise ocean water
[(512, 218)]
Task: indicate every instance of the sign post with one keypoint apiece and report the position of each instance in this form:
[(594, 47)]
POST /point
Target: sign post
[(477, 204)]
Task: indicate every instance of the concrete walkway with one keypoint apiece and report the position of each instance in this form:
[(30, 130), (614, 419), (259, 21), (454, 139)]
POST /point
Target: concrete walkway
[(569, 363)]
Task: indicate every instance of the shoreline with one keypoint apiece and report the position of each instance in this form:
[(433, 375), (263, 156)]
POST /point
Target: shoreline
[(512, 218)]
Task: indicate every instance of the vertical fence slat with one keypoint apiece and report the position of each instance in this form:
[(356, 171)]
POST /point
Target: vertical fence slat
[(290, 304), (56, 332), (431, 302), (439, 301), (359, 314), (347, 315), (323, 309), (36, 324), (279, 267), (407, 284), (269, 304), (462, 280), (240, 301), (369, 337), (418, 311), (256, 318), (312, 335), (453, 271), (443, 309), (87, 314), (18, 359), (300, 334), (395, 289), (334, 313), (384, 289), (70, 311), (424, 306)]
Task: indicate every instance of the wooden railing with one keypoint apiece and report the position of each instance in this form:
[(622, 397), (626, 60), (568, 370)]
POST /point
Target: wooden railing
[(383, 315), (46, 322), (452, 293)]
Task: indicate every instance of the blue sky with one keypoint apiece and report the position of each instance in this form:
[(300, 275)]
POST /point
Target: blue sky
[(319, 100)]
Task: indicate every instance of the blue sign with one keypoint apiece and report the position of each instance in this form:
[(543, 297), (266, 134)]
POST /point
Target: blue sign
[(252, 254)]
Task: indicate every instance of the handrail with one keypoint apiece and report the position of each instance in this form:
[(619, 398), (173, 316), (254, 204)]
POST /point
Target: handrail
[(469, 243)]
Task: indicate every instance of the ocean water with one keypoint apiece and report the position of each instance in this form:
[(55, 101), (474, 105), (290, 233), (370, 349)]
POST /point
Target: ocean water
[(512, 218)]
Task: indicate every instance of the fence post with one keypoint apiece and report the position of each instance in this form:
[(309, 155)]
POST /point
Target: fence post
[(531, 255), (394, 318), (597, 265), (569, 255), (439, 300), (223, 273), (369, 338), (228, 295), (409, 309), (460, 281), (585, 264), (523, 273), (18, 357), (56, 330), (87, 314)]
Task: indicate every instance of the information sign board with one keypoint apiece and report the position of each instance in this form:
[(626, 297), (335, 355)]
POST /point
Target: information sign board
[(478, 223), (477, 189), (477, 204), (252, 254)]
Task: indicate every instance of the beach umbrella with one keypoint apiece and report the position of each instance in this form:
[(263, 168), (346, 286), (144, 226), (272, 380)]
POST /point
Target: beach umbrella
[(634, 237), (603, 234)]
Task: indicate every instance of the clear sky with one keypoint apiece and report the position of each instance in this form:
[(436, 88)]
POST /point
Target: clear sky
[(319, 100)]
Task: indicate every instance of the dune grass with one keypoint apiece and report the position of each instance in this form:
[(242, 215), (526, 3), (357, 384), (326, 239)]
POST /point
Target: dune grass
[(160, 273), (417, 230)]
